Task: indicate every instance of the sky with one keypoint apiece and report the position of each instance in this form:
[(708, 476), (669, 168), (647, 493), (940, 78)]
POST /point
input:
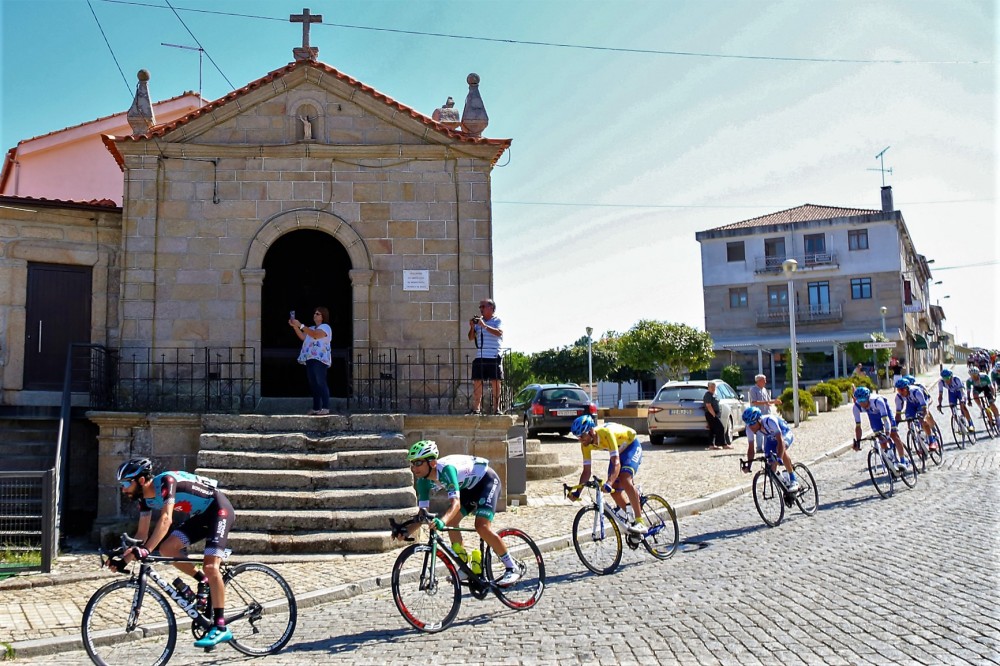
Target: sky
[(635, 124)]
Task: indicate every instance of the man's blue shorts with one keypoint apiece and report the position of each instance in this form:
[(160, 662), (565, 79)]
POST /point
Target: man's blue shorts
[(771, 444), (630, 458)]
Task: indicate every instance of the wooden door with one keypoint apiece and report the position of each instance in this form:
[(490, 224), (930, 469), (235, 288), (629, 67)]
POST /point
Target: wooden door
[(58, 313)]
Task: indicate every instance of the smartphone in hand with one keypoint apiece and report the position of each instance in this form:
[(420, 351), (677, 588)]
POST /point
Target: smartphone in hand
[(291, 315)]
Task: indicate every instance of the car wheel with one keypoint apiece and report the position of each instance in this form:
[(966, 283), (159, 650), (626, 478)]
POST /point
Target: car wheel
[(655, 439), (729, 432)]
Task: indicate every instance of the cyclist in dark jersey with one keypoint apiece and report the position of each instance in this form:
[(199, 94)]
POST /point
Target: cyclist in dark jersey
[(209, 516)]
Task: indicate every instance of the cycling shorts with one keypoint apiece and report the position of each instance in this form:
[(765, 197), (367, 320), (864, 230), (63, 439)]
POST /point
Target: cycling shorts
[(912, 410), (954, 397), (771, 444), (481, 499), (877, 423), (630, 458), (985, 391), (213, 525)]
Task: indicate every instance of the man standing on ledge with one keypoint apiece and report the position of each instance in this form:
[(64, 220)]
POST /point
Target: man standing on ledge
[(485, 331)]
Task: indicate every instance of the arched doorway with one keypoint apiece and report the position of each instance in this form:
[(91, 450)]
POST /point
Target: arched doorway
[(302, 270)]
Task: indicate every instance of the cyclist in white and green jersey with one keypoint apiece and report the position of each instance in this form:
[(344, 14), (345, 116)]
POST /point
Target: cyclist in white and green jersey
[(472, 488)]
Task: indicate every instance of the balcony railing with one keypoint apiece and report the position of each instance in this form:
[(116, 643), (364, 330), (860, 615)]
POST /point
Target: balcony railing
[(772, 264), (804, 314)]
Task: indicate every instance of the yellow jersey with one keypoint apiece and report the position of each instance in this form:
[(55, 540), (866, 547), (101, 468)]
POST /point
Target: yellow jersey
[(611, 437)]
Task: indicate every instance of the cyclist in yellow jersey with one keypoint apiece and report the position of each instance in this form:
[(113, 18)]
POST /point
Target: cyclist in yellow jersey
[(625, 453)]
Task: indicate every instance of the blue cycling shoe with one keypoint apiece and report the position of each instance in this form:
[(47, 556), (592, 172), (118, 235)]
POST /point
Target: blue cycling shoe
[(215, 636)]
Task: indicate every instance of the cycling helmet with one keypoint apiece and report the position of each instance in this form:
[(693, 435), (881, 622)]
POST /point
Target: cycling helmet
[(751, 416), (946, 374), (973, 370), (425, 449), (135, 467), (910, 379), (582, 424), (901, 382), (862, 394)]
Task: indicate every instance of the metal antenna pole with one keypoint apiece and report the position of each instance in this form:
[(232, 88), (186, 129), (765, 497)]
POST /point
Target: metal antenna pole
[(881, 160), (201, 52)]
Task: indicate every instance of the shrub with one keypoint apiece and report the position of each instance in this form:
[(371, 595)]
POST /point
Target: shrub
[(843, 384), (733, 375), (832, 393), (806, 403)]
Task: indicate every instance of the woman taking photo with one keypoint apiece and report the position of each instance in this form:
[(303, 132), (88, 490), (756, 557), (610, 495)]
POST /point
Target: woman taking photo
[(315, 355)]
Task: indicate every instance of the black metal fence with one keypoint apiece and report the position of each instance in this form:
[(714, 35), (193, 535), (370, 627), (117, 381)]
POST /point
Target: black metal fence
[(27, 504), (421, 381)]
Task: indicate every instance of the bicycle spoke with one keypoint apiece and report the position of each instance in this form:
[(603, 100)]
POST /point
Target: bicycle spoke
[(597, 540), (105, 620), (807, 496), (426, 590), (263, 609), (663, 534), (881, 474), (908, 475), (769, 498), (528, 589)]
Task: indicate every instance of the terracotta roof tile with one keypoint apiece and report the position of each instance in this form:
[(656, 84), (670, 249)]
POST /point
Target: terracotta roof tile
[(160, 130), (93, 203), (803, 213)]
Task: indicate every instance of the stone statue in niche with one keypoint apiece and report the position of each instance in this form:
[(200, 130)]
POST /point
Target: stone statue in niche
[(447, 115), (307, 128)]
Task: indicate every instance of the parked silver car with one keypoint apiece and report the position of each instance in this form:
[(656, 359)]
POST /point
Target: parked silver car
[(678, 409)]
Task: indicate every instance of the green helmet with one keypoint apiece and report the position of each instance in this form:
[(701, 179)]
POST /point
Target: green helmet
[(425, 449)]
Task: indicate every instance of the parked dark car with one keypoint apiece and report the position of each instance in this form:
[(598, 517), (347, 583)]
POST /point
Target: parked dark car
[(551, 407), (678, 410)]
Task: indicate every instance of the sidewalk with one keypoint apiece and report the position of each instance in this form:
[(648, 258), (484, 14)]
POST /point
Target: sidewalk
[(40, 613)]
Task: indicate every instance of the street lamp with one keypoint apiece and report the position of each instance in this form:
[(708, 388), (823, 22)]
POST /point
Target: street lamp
[(789, 266), (590, 363), (882, 310)]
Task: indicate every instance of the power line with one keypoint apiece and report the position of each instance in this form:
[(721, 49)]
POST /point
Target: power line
[(209, 55), (587, 204), (113, 57), (991, 262), (587, 47)]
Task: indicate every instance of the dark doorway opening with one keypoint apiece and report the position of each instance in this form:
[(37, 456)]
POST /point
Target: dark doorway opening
[(303, 270), (57, 313)]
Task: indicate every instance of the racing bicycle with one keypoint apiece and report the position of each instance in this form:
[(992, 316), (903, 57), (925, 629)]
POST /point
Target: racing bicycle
[(131, 622), (959, 427), (882, 464), (771, 494), (427, 578), (916, 439)]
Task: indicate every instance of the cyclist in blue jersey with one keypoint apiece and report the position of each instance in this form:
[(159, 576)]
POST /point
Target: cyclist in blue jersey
[(878, 412), (916, 401), (473, 487), (778, 437), (956, 395), (209, 514)]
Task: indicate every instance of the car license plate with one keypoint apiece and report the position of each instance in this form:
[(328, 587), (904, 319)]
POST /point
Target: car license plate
[(682, 412), (564, 412)]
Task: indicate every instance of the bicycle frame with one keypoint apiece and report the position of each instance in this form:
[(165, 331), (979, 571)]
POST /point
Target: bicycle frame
[(479, 584)]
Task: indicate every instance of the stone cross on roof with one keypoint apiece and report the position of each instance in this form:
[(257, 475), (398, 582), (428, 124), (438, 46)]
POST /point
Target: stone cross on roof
[(305, 52)]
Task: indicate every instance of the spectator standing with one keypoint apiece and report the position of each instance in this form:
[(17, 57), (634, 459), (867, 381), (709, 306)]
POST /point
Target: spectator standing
[(859, 371), (485, 330), (316, 356), (717, 433)]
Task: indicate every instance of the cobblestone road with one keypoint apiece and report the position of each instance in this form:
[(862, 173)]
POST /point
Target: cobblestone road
[(909, 580)]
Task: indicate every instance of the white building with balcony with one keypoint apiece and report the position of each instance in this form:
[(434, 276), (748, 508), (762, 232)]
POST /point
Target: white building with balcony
[(851, 263)]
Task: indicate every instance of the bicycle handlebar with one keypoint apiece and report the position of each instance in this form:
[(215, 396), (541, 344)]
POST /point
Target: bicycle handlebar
[(595, 482), (400, 529)]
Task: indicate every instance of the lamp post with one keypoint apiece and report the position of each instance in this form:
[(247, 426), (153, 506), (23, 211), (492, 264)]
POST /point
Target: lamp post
[(882, 310), (590, 363), (789, 266)]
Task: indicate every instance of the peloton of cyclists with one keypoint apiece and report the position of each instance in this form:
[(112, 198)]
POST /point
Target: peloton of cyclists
[(956, 395), (625, 453), (914, 398), (877, 409), (778, 437), (981, 388)]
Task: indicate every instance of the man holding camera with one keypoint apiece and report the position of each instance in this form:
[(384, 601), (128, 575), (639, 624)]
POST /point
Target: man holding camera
[(485, 331)]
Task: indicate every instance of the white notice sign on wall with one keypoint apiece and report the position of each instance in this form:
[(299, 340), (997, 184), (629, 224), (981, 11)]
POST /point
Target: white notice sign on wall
[(416, 280)]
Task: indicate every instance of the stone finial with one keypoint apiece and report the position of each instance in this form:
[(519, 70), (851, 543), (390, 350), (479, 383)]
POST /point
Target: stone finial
[(140, 115), (474, 118), (447, 115)]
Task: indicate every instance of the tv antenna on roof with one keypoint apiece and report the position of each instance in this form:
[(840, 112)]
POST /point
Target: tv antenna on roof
[(881, 160), (201, 52)]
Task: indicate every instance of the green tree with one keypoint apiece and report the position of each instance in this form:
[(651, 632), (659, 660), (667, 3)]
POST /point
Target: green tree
[(665, 348), (570, 364), (517, 371), (858, 354), (788, 366)]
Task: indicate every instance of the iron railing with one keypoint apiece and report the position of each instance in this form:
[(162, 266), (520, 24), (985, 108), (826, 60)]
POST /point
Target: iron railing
[(773, 263), (420, 381), (804, 314), (27, 504)]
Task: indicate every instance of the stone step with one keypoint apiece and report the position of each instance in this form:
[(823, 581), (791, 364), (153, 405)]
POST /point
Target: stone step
[(330, 500), (295, 406), (267, 480), (21, 434), (391, 458), (541, 472), (312, 542), (27, 463), (367, 423), (542, 458), (283, 522), (301, 443), (532, 445), (22, 448)]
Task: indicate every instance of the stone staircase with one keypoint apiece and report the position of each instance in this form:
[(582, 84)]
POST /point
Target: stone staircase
[(310, 484), (28, 443), (545, 464)]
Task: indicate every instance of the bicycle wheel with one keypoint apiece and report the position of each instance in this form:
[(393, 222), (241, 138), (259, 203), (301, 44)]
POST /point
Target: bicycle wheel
[(769, 498), (260, 609), (909, 473), (119, 627), (882, 476), (597, 540), (937, 455), (662, 535), (915, 442), (991, 425), (807, 496), (958, 432), (428, 593), (528, 589)]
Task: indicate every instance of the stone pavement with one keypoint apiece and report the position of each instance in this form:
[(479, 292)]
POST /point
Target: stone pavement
[(41, 613)]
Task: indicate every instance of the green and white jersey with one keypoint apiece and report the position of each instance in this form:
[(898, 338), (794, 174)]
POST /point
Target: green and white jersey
[(455, 473)]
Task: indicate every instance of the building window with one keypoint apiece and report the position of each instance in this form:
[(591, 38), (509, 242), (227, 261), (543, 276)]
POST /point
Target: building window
[(735, 251), (814, 243), (819, 298), (861, 288), (738, 297), (857, 239), (777, 297), (774, 253)]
